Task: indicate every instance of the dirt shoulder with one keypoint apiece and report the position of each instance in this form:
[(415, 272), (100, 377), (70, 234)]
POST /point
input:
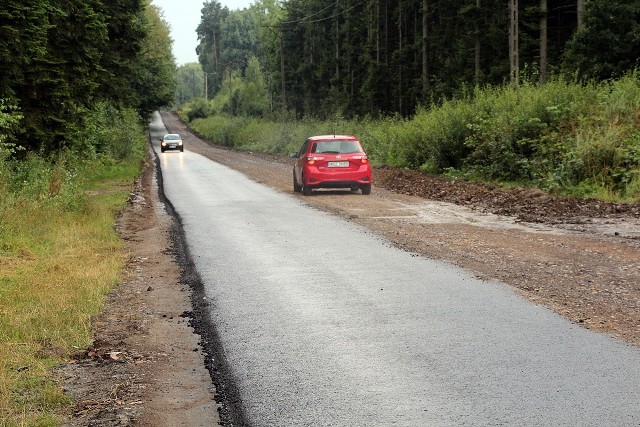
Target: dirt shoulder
[(580, 258), (146, 366)]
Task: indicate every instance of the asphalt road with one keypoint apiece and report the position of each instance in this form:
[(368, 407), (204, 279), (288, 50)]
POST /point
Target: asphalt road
[(325, 324)]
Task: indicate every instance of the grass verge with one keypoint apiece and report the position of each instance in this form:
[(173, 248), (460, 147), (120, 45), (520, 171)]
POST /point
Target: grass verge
[(60, 256)]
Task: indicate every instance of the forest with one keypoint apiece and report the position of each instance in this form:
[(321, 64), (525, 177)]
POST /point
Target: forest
[(63, 60), (381, 57)]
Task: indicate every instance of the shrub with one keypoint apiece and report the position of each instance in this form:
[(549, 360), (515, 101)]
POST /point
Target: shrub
[(197, 109)]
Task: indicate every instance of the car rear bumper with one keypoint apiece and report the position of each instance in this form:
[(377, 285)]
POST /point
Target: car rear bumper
[(333, 179)]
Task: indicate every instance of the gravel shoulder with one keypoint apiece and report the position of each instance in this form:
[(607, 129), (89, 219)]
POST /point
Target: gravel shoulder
[(580, 258)]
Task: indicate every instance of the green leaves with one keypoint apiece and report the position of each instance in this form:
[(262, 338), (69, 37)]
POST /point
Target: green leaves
[(10, 119), (610, 44), (62, 57)]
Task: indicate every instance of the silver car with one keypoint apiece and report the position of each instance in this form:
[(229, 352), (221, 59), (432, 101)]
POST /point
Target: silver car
[(171, 141)]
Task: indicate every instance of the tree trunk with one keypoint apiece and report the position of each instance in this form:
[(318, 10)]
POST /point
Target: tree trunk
[(337, 57), (425, 49), (400, 57), (282, 89), (580, 12), (386, 33), (377, 20), (477, 48), (543, 42), (513, 41)]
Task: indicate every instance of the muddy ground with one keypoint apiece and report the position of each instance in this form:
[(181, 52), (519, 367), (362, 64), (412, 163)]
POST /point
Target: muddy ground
[(580, 258)]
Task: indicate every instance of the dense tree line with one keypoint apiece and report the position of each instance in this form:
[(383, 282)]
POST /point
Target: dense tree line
[(358, 57), (62, 58)]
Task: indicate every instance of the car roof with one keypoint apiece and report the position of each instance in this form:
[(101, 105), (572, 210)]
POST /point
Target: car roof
[(332, 138), (172, 134)]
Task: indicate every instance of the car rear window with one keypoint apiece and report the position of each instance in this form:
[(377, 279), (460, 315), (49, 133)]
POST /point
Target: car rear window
[(336, 147)]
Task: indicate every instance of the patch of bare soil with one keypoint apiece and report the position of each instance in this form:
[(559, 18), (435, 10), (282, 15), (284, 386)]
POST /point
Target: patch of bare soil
[(580, 258)]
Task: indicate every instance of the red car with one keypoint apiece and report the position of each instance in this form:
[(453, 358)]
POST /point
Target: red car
[(331, 161)]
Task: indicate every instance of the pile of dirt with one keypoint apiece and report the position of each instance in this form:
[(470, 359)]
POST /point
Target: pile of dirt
[(526, 204)]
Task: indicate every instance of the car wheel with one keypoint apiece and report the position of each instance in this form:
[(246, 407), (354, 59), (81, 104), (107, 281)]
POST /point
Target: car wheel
[(306, 190), (366, 189), (296, 188), (162, 150), (181, 149)]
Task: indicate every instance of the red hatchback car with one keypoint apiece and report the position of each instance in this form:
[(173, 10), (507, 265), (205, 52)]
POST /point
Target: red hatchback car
[(331, 161)]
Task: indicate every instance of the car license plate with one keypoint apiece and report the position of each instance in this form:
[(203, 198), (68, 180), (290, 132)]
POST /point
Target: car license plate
[(338, 164)]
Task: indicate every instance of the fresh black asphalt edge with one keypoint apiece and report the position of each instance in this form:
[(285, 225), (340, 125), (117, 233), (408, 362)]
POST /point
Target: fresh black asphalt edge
[(226, 392)]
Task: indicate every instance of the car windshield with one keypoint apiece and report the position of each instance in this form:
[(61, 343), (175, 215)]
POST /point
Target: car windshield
[(336, 147), (172, 137)]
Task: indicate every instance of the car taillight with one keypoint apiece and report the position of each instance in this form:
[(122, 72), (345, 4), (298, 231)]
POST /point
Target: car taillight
[(363, 159), (312, 160)]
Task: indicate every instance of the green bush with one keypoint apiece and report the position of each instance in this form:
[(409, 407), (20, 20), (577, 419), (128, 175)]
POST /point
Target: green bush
[(197, 109), (112, 139)]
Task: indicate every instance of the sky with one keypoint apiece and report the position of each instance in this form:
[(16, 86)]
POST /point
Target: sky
[(183, 17)]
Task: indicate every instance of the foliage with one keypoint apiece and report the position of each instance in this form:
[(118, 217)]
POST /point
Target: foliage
[(60, 58), (77, 80), (107, 132), (209, 49), (154, 72), (59, 256), (609, 46), (376, 58), (10, 119), (252, 95), (240, 95), (197, 109), (191, 83)]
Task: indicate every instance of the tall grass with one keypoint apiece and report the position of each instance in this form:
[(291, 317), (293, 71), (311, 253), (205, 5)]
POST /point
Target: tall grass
[(59, 257), (562, 136)]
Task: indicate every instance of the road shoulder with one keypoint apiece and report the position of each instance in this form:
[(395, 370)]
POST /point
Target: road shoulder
[(146, 366)]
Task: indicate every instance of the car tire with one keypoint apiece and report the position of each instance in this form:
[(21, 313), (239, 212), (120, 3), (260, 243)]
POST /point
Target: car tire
[(306, 190), (296, 188), (181, 149), (162, 150), (366, 189)]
